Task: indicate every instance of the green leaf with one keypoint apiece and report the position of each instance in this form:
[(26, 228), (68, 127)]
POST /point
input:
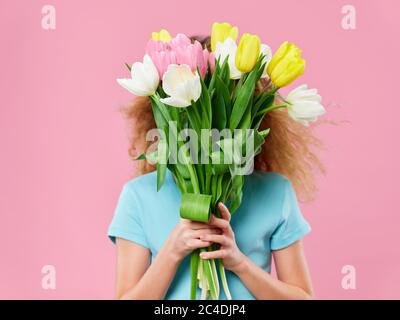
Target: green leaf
[(210, 277), (217, 70), (141, 157), (223, 280), (182, 170), (237, 88), (232, 147), (195, 207), (179, 179), (205, 102), (219, 116), (236, 193), (258, 102), (165, 111), (259, 140), (219, 190), (260, 110), (194, 266), (161, 171), (159, 118), (223, 90), (208, 75), (200, 174), (218, 165), (246, 119), (226, 186), (215, 275), (225, 72), (214, 189), (243, 98)]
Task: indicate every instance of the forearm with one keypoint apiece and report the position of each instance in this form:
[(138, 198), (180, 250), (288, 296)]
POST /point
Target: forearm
[(265, 287), (155, 282)]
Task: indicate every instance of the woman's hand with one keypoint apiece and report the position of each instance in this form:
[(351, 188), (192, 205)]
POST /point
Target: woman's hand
[(229, 252), (186, 237)]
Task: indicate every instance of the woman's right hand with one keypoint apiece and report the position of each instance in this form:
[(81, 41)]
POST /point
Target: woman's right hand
[(186, 237)]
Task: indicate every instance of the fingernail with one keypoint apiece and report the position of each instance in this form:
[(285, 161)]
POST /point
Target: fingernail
[(202, 255)]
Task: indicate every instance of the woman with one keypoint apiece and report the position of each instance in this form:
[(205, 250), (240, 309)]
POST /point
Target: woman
[(153, 242)]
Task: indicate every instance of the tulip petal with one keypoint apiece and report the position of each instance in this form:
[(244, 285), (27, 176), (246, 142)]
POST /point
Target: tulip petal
[(222, 31), (225, 49), (150, 73), (175, 75), (248, 52), (293, 71), (175, 102), (305, 104), (131, 86), (267, 52), (277, 57), (297, 90), (182, 85)]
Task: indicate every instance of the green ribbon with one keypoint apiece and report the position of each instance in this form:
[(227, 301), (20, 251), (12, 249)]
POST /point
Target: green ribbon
[(195, 207)]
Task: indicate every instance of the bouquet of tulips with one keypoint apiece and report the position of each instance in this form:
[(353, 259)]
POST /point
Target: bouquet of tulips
[(208, 110)]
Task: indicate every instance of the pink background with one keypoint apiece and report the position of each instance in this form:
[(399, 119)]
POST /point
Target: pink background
[(64, 144)]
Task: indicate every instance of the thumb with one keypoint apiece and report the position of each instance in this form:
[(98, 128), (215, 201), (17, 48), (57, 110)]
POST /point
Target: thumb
[(225, 214)]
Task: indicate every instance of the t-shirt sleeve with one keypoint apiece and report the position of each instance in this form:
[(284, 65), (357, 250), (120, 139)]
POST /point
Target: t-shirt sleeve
[(127, 223), (292, 225)]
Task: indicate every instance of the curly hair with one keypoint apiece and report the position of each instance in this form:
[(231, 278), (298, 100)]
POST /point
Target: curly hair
[(289, 149)]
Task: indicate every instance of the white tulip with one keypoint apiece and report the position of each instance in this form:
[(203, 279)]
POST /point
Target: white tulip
[(304, 104), (182, 85), (144, 78), (222, 50), (267, 52)]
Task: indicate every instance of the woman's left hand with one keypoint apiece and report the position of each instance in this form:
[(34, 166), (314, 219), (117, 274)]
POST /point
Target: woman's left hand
[(229, 252)]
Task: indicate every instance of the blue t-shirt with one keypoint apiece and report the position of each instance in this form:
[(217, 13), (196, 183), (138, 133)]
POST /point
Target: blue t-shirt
[(268, 219)]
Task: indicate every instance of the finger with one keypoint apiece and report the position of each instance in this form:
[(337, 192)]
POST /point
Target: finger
[(225, 214), (196, 243), (201, 232), (219, 223), (221, 254), (215, 238), (196, 225), (200, 225)]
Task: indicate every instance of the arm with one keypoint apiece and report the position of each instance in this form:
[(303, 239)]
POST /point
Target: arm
[(137, 279), (293, 278)]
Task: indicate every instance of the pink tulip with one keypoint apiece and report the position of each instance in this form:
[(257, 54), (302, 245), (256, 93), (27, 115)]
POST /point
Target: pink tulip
[(153, 45), (180, 40), (211, 60), (161, 55), (179, 50)]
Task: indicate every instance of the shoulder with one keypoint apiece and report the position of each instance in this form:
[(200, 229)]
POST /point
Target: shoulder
[(269, 180), (272, 188), (146, 182)]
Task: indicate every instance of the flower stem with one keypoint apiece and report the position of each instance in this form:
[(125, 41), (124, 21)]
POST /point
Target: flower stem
[(277, 106), (223, 280)]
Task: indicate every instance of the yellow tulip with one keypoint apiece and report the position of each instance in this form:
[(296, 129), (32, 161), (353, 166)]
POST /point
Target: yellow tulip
[(286, 65), (247, 52), (163, 36), (221, 31)]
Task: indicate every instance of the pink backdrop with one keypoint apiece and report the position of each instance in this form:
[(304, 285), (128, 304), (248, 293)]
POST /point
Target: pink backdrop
[(64, 144)]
